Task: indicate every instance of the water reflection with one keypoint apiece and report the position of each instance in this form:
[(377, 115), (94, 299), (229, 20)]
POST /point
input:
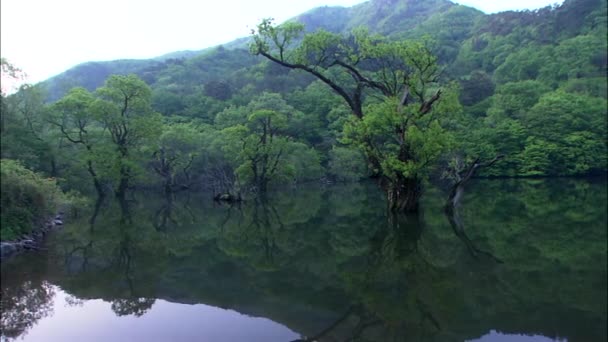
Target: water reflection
[(94, 320), (494, 336), (23, 304), (519, 257)]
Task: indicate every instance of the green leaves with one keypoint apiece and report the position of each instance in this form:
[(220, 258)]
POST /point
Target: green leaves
[(317, 49), (259, 148), (269, 38), (119, 88), (541, 132), (114, 126), (385, 133), (28, 198), (347, 164)]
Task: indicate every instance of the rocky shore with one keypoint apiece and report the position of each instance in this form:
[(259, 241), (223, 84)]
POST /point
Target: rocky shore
[(32, 241)]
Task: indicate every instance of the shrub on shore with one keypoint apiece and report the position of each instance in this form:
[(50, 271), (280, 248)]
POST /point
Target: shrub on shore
[(27, 199)]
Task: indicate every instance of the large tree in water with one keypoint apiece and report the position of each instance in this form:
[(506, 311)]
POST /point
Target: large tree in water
[(392, 89), (123, 108)]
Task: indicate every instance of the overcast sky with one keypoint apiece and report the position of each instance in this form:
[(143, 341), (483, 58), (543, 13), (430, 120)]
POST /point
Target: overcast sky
[(46, 37)]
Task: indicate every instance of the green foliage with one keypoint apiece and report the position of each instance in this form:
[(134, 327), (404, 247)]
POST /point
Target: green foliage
[(398, 129), (385, 133), (533, 84), (574, 126), (306, 162), (262, 154), (123, 109), (25, 134), (347, 164), (514, 99), (28, 198), (178, 149), (541, 133), (112, 127), (476, 87)]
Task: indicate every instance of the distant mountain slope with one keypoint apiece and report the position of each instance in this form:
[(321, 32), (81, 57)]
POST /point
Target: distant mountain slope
[(466, 40), (91, 75), (393, 18)]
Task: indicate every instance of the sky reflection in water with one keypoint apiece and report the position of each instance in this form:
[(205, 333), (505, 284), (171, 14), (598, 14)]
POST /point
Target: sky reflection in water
[(94, 320), (527, 257)]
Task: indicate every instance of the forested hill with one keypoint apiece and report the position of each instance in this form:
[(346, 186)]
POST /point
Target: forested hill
[(396, 19), (467, 40), (531, 86)]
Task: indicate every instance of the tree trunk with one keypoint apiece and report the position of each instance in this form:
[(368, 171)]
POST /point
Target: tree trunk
[(403, 195), (263, 185), (53, 167), (98, 188), (121, 191), (463, 178), (168, 185), (96, 182)]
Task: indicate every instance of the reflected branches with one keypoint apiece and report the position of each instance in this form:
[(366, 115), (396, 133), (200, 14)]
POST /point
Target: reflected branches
[(453, 215), (337, 261), (462, 177), (165, 214), (133, 306), (23, 304)]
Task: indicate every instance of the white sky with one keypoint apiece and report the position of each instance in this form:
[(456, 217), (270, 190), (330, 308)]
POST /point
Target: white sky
[(46, 37)]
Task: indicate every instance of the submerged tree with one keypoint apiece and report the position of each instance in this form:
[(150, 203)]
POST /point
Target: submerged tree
[(263, 151), (123, 109), (113, 124), (72, 116), (392, 90), (175, 154)]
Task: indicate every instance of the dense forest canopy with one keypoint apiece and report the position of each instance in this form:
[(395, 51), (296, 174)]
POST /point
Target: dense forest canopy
[(529, 85)]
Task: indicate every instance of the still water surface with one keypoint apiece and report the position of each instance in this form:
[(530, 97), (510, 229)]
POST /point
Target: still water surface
[(522, 260)]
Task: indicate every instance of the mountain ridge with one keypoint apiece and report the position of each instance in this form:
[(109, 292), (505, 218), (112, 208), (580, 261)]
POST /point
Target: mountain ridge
[(374, 14)]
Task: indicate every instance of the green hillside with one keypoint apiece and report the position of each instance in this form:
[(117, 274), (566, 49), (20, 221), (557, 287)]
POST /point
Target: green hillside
[(529, 85), (395, 19)]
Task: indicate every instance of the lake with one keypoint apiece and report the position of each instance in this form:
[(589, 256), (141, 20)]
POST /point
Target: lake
[(522, 260)]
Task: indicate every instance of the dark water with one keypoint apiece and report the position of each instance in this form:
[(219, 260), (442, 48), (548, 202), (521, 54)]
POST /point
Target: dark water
[(523, 260)]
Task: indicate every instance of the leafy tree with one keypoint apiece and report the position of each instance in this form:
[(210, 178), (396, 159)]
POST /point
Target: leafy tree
[(263, 150), (306, 162), (404, 75), (219, 90), (574, 126), (476, 87), (577, 57), (523, 64), (177, 150), (167, 102), (407, 147), (23, 131), (74, 118), (514, 99), (347, 164), (123, 109)]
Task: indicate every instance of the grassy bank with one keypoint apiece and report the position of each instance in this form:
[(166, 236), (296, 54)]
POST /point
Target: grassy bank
[(27, 199)]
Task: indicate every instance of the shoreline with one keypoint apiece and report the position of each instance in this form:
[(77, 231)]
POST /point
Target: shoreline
[(30, 242)]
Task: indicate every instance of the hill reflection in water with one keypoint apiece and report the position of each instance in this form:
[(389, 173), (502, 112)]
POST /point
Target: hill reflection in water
[(528, 258)]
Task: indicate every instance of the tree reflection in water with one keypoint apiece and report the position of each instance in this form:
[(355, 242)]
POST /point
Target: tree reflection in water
[(136, 306), (333, 265), (25, 298)]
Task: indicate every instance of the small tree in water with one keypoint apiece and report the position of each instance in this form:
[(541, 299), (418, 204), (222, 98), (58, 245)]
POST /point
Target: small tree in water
[(392, 89)]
